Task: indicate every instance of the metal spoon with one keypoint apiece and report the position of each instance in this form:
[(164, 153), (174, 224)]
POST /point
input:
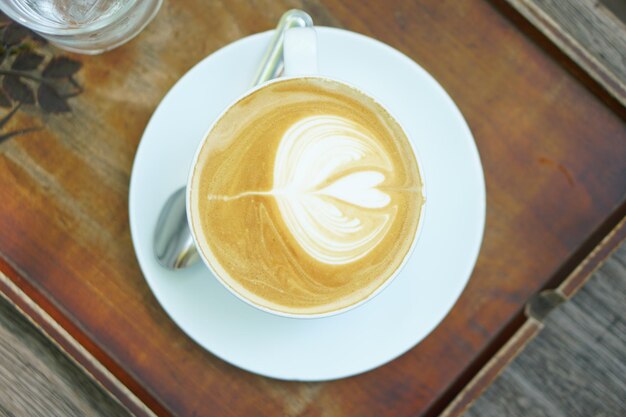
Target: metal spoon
[(173, 244)]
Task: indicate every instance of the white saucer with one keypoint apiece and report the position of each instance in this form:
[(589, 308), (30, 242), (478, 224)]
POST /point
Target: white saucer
[(391, 323)]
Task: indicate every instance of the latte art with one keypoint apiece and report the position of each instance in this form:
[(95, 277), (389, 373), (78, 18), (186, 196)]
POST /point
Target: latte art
[(326, 172), (311, 202), (325, 175)]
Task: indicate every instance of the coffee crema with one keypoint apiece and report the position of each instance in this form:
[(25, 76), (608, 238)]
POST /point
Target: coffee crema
[(306, 196)]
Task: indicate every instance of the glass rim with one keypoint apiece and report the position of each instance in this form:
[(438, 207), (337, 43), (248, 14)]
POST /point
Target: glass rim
[(11, 9)]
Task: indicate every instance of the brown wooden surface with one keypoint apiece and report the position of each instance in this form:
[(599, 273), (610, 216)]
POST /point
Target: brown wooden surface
[(38, 379), (554, 159), (64, 336), (533, 319), (590, 32), (575, 366)]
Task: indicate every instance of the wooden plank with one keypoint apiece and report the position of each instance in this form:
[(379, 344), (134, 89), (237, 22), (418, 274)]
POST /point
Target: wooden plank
[(36, 378), (583, 271), (553, 154), (589, 32), (576, 365), (492, 369), (59, 338), (531, 326), (617, 7)]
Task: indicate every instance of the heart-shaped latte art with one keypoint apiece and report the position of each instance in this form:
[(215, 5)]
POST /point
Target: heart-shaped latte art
[(306, 196), (326, 173)]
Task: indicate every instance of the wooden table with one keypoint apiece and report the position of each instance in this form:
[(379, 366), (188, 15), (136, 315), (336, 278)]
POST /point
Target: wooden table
[(576, 364), (553, 147)]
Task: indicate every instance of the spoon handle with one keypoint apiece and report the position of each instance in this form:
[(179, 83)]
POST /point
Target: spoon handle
[(173, 245), (272, 62)]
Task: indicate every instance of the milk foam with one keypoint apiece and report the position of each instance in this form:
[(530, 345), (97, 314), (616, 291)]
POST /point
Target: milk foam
[(325, 174), (305, 197)]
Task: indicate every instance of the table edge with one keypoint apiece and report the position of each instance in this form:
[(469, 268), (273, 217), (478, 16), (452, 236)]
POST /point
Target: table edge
[(50, 321), (531, 326)]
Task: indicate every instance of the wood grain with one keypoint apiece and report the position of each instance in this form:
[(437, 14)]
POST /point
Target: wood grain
[(531, 326), (488, 373), (617, 7), (576, 365), (594, 260), (37, 379), (63, 335), (554, 158), (589, 32)]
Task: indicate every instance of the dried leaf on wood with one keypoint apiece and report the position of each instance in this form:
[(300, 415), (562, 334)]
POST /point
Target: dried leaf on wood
[(18, 90), (27, 61), (61, 67), (4, 100), (50, 100)]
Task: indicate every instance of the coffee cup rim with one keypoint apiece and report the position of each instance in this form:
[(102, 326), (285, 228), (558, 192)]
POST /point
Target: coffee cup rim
[(241, 297)]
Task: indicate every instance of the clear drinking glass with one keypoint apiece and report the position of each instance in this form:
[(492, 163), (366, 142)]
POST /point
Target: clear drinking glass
[(83, 26)]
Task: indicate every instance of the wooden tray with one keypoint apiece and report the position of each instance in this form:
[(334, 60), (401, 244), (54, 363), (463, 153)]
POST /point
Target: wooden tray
[(590, 32), (555, 163)]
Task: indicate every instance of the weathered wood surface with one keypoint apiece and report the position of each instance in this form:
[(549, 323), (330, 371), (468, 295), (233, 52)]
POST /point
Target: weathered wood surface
[(37, 379), (589, 31), (577, 363), (617, 7), (531, 327), (63, 335), (554, 158)]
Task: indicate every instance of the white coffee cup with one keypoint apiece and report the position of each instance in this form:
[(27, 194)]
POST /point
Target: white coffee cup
[(300, 61)]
